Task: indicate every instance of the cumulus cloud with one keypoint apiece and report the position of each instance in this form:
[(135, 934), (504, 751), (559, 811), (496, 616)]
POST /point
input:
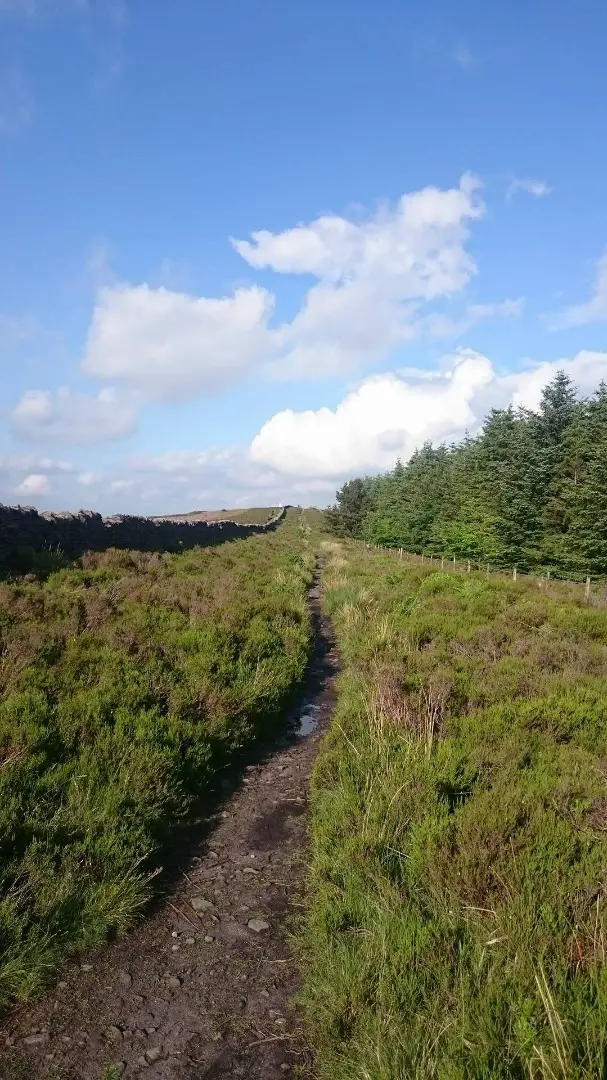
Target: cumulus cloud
[(62, 416), (378, 282), (537, 188), (31, 476), (374, 276), (169, 346), (388, 416), (593, 310), (385, 417), (35, 484), (301, 457), (419, 241)]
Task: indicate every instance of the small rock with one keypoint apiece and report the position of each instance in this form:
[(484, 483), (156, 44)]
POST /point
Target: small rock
[(154, 1054), (37, 1039), (114, 1033), (250, 870), (190, 941), (208, 939), (198, 903), (151, 1030), (125, 979), (143, 1061), (62, 985), (173, 982), (175, 948), (174, 934), (285, 1066), (258, 925), (264, 993), (86, 967)]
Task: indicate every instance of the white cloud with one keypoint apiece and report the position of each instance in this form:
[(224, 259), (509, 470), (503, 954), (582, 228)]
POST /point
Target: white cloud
[(33, 476), (34, 484), (538, 188), (374, 277), (62, 416), (385, 417), (170, 346), (377, 279), (587, 368), (420, 242), (304, 456), (388, 416), (593, 310)]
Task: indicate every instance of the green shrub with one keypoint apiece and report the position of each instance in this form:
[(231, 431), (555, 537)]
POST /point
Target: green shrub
[(458, 913), (125, 684)]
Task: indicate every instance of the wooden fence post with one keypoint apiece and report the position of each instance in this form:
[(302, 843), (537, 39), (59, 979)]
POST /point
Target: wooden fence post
[(468, 565), (587, 590), (514, 574), (442, 563), (454, 560)]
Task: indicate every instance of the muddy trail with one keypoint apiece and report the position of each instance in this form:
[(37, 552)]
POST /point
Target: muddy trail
[(203, 988)]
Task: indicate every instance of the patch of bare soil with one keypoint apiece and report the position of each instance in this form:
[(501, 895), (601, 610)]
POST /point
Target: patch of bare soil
[(204, 987)]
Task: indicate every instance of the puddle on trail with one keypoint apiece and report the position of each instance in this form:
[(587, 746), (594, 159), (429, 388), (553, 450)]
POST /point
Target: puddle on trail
[(307, 722)]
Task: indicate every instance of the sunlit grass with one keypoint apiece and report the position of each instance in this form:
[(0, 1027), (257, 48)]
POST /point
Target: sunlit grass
[(458, 890), (126, 682)]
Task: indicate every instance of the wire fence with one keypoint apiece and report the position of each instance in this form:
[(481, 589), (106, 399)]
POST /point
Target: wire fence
[(592, 592)]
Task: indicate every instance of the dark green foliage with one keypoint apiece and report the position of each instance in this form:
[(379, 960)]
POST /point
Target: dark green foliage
[(125, 684), (529, 491), (458, 920), (352, 504)]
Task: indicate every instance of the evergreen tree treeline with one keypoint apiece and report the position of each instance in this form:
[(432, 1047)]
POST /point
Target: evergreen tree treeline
[(529, 491)]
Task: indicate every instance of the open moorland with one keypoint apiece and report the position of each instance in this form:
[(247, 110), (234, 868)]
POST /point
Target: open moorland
[(126, 682), (458, 918)]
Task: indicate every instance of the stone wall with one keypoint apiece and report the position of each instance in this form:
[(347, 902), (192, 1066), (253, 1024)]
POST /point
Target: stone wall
[(23, 530)]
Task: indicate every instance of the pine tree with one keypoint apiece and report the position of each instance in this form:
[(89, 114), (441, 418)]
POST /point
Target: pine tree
[(589, 514)]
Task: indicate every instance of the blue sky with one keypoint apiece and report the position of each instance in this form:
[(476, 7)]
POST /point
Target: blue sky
[(252, 248)]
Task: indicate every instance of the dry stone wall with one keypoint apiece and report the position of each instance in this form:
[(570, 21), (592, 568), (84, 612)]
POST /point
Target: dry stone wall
[(24, 530)]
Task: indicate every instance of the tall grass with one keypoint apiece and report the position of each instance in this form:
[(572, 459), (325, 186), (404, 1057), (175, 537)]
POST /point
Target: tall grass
[(458, 887), (125, 684)]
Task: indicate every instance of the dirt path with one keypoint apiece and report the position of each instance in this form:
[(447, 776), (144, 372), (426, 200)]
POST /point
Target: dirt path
[(202, 989)]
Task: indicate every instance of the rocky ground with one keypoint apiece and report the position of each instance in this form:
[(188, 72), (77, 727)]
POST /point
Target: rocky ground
[(204, 987)]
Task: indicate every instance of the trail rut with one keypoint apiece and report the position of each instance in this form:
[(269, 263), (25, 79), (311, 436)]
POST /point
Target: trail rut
[(203, 988)]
